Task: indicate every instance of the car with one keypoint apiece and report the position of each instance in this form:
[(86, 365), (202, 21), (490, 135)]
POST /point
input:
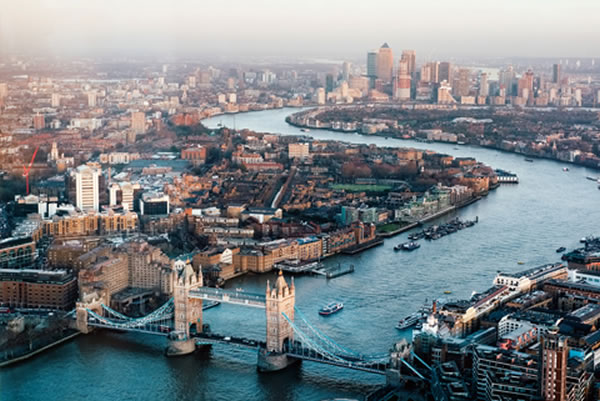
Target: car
[(226, 338)]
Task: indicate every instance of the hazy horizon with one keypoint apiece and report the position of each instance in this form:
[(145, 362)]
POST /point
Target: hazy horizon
[(332, 29)]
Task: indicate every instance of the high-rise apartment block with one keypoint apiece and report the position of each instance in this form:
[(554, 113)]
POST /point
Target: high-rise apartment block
[(39, 122), (3, 90), (554, 353), (138, 122)]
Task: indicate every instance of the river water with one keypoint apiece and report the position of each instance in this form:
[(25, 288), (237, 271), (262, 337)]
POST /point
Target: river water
[(549, 208)]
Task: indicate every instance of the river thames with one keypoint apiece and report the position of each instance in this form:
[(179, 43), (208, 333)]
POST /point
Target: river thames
[(549, 208)]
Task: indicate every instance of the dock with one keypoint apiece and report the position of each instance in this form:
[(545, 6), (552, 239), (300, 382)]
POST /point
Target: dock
[(316, 268), (296, 268), (338, 271)]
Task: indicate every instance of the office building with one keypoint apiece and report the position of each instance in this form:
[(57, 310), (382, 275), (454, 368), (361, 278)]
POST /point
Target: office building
[(329, 83), (320, 96), (484, 86), (444, 94), (29, 288), (525, 89), (154, 204), (445, 72), (123, 194), (372, 67), (385, 63), (556, 73), (402, 81), (87, 188), (410, 57), (462, 83), (346, 66), (430, 72)]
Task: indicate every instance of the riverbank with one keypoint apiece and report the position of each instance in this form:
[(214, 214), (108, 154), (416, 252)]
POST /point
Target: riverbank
[(433, 216), (37, 351), (292, 120)]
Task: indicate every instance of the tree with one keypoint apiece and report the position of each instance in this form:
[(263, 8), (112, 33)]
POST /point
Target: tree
[(214, 155)]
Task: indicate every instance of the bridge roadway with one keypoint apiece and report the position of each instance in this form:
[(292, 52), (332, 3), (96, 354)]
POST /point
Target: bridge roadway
[(297, 350), (155, 329), (212, 338), (228, 297)]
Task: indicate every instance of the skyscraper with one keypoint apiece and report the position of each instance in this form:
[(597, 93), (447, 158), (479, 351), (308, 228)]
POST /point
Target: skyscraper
[(443, 95), (554, 353), (484, 87), (445, 72), (507, 77), (402, 81), (329, 83), (430, 72), (526, 85), (410, 56), (462, 83), (556, 73), (87, 187), (346, 66), (372, 68), (385, 63)]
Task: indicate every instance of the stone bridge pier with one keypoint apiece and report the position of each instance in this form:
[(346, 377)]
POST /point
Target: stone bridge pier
[(187, 311), (279, 299), (91, 302)]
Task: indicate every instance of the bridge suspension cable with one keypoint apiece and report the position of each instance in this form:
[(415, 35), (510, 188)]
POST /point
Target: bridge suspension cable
[(329, 342), (328, 349)]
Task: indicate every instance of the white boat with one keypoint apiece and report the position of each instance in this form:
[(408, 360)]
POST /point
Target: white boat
[(409, 321)]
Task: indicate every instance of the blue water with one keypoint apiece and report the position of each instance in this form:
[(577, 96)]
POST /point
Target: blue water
[(549, 208)]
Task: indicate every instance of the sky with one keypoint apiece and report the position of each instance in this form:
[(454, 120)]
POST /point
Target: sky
[(307, 28)]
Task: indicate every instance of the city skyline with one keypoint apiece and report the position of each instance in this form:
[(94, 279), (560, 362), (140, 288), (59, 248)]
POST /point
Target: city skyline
[(378, 200), (463, 29)]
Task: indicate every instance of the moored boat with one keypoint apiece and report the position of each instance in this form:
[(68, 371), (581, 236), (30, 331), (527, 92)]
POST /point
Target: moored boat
[(561, 249), (408, 321)]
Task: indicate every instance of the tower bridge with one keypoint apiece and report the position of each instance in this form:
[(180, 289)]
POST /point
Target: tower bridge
[(290, 337)]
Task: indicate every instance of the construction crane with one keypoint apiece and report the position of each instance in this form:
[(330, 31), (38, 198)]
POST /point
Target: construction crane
[(26, 169)]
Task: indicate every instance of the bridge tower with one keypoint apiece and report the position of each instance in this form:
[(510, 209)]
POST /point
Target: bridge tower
[(187, 312), (89, 301), (279, 300)]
